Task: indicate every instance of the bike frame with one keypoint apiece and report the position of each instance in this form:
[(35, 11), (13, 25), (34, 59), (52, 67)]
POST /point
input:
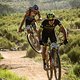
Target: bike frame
[(52, 55)]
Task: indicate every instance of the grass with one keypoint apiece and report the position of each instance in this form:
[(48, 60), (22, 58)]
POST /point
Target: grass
[(70, 74), (6, 74)]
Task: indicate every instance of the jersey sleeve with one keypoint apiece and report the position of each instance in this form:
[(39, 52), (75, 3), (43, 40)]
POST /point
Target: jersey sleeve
[(39, 14), (57, 22)]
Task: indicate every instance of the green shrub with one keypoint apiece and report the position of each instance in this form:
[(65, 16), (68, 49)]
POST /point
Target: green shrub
[(31, 53), (79, 15), (65, 57), (7, 75), (6, 44), (24, 46), (76, 70), (62, 50), (70, 75), (77, 24), (74, 54), (75, 42)]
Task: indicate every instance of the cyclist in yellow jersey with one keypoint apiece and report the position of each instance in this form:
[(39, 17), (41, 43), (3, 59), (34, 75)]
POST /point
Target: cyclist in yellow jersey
[(48, 31)]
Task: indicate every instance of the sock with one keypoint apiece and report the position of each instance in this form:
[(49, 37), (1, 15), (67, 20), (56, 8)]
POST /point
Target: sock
[(44, 62)]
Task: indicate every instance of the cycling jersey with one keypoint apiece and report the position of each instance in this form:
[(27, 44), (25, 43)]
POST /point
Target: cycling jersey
[(48, 30), (45, 24)]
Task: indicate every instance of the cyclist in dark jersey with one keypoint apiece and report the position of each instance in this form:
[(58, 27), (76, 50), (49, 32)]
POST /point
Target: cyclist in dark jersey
[(29, 18), (48, 31)]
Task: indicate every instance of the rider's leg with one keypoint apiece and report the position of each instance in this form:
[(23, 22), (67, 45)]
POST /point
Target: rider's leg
[(44, 56), (28, 29), (44, 48)]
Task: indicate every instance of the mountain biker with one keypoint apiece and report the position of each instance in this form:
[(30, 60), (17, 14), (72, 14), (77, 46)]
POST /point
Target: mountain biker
[(29, 19), (48, 31)]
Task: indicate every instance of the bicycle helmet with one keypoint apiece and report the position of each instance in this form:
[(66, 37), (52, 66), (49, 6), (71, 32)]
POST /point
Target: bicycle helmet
[(35, 7), (50, 16)]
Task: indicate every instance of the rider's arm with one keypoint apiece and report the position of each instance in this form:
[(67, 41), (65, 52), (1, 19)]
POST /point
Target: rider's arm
[(63, 30), (23, 20), (39, 14)]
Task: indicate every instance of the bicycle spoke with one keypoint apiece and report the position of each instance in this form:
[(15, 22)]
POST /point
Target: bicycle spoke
[(33, 41)]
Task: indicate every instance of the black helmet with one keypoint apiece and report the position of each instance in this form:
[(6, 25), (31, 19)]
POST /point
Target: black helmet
[(50, 16), (35, 7)]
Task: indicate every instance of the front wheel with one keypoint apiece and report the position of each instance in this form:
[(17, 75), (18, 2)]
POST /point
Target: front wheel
[(57, 65), (49, 69), (34, 43)]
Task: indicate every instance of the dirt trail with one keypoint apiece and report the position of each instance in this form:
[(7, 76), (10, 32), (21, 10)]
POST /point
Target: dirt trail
[(24, 67)]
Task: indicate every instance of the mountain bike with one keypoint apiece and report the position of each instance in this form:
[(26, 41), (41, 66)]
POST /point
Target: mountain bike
[(33, 41), (53, 63)]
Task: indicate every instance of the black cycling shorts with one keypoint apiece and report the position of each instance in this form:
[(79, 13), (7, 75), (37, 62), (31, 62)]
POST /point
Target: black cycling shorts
[(29, 20), (48, 34)]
